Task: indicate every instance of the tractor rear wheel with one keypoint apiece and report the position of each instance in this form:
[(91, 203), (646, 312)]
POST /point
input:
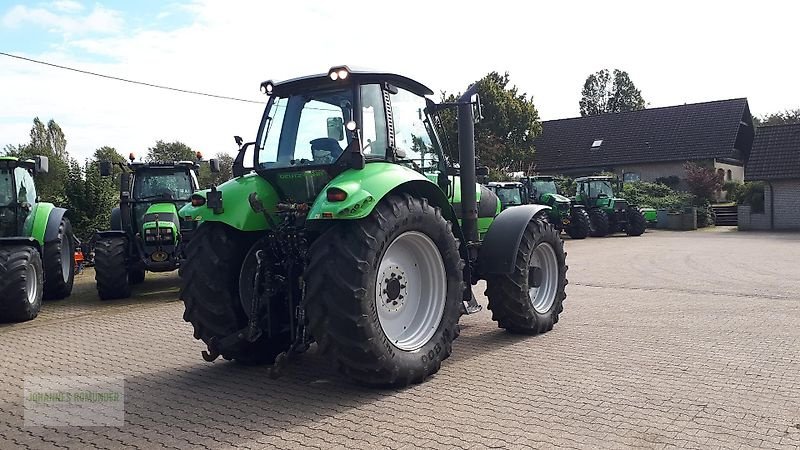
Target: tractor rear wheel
[(636, 222), (59, 267), (580, 225), (601, 225), (110, 268), (384, 293), (210, 278), (529, 300), (21, 283)]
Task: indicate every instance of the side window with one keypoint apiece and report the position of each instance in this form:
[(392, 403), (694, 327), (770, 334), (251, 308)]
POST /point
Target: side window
[(411, 135), (26, 189), (373, 117), (313, 125)]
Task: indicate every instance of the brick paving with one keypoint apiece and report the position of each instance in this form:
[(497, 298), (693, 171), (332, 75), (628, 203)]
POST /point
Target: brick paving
[(668, 340)]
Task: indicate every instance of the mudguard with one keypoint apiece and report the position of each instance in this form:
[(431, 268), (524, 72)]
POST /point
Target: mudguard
[(116, 219), (19, 241), (499, 247), (53, 222)]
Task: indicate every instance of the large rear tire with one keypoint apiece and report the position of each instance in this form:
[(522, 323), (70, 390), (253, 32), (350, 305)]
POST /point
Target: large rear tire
[(59, 263), (21, 283), (210, 278), (601, 225), (580, 225), (636, 222), (529, 300), (384, 293), (110, 268)]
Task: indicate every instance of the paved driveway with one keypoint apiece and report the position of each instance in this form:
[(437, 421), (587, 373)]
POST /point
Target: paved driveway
[(685, 339)]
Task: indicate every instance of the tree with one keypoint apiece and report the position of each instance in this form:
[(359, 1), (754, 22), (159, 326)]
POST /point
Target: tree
[(169, 152), (703, 182), (601, 94), (47, 140), (205, 178), (779, 118), (504, 137)]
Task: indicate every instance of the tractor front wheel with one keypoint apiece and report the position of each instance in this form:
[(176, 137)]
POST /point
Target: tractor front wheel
[(384, 293), (21, 283), (636, 222), (580, 225), (136, 274), (59, 267), (529, 300), (601, 225), (110, 268)]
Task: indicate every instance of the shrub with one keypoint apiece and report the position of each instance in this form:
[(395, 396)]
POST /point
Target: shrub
[(654, 195), (566, 186), (752, 194), (732, 189), (703, 182), (671, 181), (705, 215)]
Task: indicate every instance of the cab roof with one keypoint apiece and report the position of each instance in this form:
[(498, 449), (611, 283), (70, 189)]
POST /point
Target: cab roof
[(595, 177), (363, 75)]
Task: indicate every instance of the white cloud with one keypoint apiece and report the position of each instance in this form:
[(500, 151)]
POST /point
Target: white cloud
[(675, 53), (57, 20), (67, 6)]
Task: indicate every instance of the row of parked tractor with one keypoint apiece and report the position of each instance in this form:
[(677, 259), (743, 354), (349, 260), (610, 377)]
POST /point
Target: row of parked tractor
[(346, 223), (595, 210)]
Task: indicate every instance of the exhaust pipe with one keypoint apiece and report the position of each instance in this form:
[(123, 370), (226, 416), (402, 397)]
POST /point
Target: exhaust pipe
[(466, 157)]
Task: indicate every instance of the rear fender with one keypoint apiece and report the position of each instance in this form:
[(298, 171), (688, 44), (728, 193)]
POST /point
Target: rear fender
[(498, 250), (53, 223), (7, 241)]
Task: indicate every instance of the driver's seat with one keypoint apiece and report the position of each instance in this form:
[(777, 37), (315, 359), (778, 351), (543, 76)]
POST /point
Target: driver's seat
[(326, 144)]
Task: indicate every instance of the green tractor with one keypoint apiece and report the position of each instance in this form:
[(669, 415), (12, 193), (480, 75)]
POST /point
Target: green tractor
[(542, 190), (346, 225), (146, 232), (609, 214), (37, 247)]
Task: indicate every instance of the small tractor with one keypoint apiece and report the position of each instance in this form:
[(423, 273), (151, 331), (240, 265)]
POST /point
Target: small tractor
[(36, 243), (346, 225), (146, 232), (542, 190), (609, 214)]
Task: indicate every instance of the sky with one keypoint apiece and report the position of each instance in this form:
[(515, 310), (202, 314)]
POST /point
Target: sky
[(675, 52)]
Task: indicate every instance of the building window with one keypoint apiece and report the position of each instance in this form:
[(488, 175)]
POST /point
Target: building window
[(730, 175), (630, 176), (596, 144)]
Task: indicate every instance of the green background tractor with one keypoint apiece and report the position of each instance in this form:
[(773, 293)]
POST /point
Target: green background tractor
[(146, 232), (565, 214), (37, 247), (609, 214), (346, 225), (542, 190)]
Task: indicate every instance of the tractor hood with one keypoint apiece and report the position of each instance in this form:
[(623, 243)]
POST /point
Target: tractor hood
[(166, 216), (551, 199)]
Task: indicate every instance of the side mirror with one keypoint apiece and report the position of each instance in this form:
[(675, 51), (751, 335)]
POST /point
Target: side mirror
[(42, 164), (477, 111), (213, 164), (482, 171), (238, 140), (238, 168), (336, 128), (105, 168)]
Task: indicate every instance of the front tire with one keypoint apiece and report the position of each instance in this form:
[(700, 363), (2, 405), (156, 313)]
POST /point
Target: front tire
[(21, 283), (601, 224), (59, 268), (529, 300), (636, 222), (384, 293), (136, 274), (210, 290), (110, 269), (580, 225)]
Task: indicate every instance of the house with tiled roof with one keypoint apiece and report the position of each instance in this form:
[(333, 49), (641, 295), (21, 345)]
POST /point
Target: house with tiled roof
[(650, 144), (775, 160)]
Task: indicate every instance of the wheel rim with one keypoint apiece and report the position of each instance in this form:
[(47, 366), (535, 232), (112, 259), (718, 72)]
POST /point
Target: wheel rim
[(66, 261), (31, 284), (543, 278), (411, 290)]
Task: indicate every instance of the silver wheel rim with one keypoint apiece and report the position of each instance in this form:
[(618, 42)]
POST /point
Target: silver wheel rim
[(31, 284), (543, 278), (66, 260), (410, 290)]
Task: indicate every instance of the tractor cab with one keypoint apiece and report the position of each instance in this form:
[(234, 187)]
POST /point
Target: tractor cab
[(597, 191), (510, 193), (17, 195)]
